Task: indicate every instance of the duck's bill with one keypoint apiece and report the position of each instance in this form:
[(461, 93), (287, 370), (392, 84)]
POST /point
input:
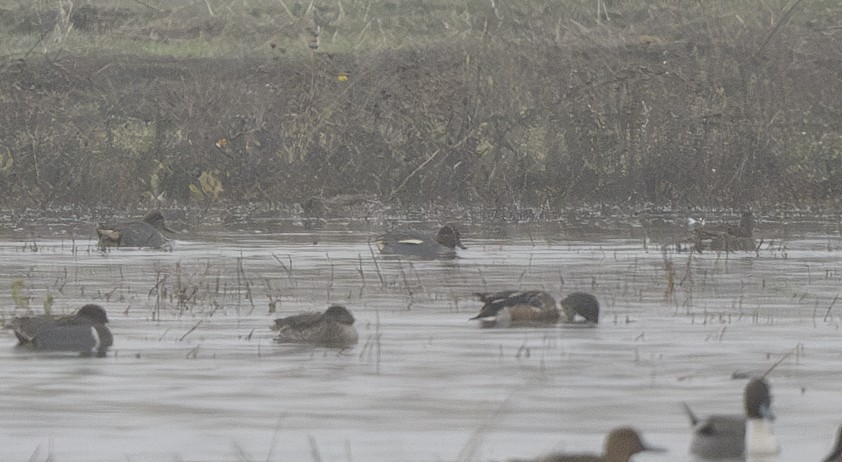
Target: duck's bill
[(169, 230), (461, 245)]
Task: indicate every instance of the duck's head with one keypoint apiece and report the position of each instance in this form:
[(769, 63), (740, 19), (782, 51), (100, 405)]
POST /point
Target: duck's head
[(758, 400), (94, 313), (624, 442), (156, 220), (449, 236), (583, 304), (339, 314)]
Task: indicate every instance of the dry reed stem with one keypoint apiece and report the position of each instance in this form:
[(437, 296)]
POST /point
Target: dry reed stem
[(376, 265), (830, 307), (190, 331), (797, 348), (314, 449), (274, 441)]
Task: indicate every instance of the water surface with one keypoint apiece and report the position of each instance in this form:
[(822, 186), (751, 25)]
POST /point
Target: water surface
[(194, 374)]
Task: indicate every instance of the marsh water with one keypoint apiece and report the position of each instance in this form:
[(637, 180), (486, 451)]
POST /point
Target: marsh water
[(194, 373)]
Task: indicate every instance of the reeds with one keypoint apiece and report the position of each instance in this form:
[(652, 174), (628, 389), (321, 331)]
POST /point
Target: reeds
[(371, 351)]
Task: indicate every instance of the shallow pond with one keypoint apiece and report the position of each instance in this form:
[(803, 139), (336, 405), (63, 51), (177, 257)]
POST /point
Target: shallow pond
[(194, 374)]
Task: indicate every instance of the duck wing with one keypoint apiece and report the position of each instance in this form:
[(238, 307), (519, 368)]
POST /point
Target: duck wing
[(719, 436), (298, 322), (494, 302), (27, 328), (131, 234)]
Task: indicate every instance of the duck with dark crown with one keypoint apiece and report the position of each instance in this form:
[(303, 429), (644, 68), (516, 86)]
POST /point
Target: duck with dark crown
[(735, 436), (83, 332), (333, 328), (145, 233), (417, 244)]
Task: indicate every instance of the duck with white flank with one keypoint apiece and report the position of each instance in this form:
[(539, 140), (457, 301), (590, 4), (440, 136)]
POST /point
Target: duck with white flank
[(417, 244), (735, 436), (82, 332)]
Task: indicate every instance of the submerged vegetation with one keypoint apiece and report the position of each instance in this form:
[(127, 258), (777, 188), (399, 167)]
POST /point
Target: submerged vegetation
[(550, 103)]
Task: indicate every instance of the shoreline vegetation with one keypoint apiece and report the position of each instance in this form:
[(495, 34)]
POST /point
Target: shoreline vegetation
[(548, 104)]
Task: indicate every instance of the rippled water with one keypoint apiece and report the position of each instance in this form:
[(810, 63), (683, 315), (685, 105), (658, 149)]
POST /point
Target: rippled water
[(194, 374)]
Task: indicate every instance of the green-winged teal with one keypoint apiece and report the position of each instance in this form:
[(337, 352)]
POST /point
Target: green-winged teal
[(728, 238), (146, 233), (514, 308), (736, 436), (422, 245), (84, 331), (836, 454), (333, 328), (620, 445)]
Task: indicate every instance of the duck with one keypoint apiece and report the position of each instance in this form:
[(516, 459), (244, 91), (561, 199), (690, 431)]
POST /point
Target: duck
[(145, 233), (419, 244), (836, 454), (516, 308), (84, 332), (736, 436), (333, 328), (729, 238), (620, 445)]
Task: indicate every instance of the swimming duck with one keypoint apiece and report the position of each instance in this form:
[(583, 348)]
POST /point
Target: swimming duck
[(836, 454), (620, 445), (333, 328), (421, 245), (513, 308), (735, 436), (729, 238), (146, 233), (84, 331)]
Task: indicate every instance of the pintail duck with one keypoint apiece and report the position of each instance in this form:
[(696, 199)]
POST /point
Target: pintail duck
[(514, 308), (729, 238), (84, 332), (735, 436), (421, 245), (836, 454), (146, 233), (333, 328), (620, 445)]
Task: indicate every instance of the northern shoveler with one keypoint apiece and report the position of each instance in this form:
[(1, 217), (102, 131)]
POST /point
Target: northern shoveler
[(514, 308)]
